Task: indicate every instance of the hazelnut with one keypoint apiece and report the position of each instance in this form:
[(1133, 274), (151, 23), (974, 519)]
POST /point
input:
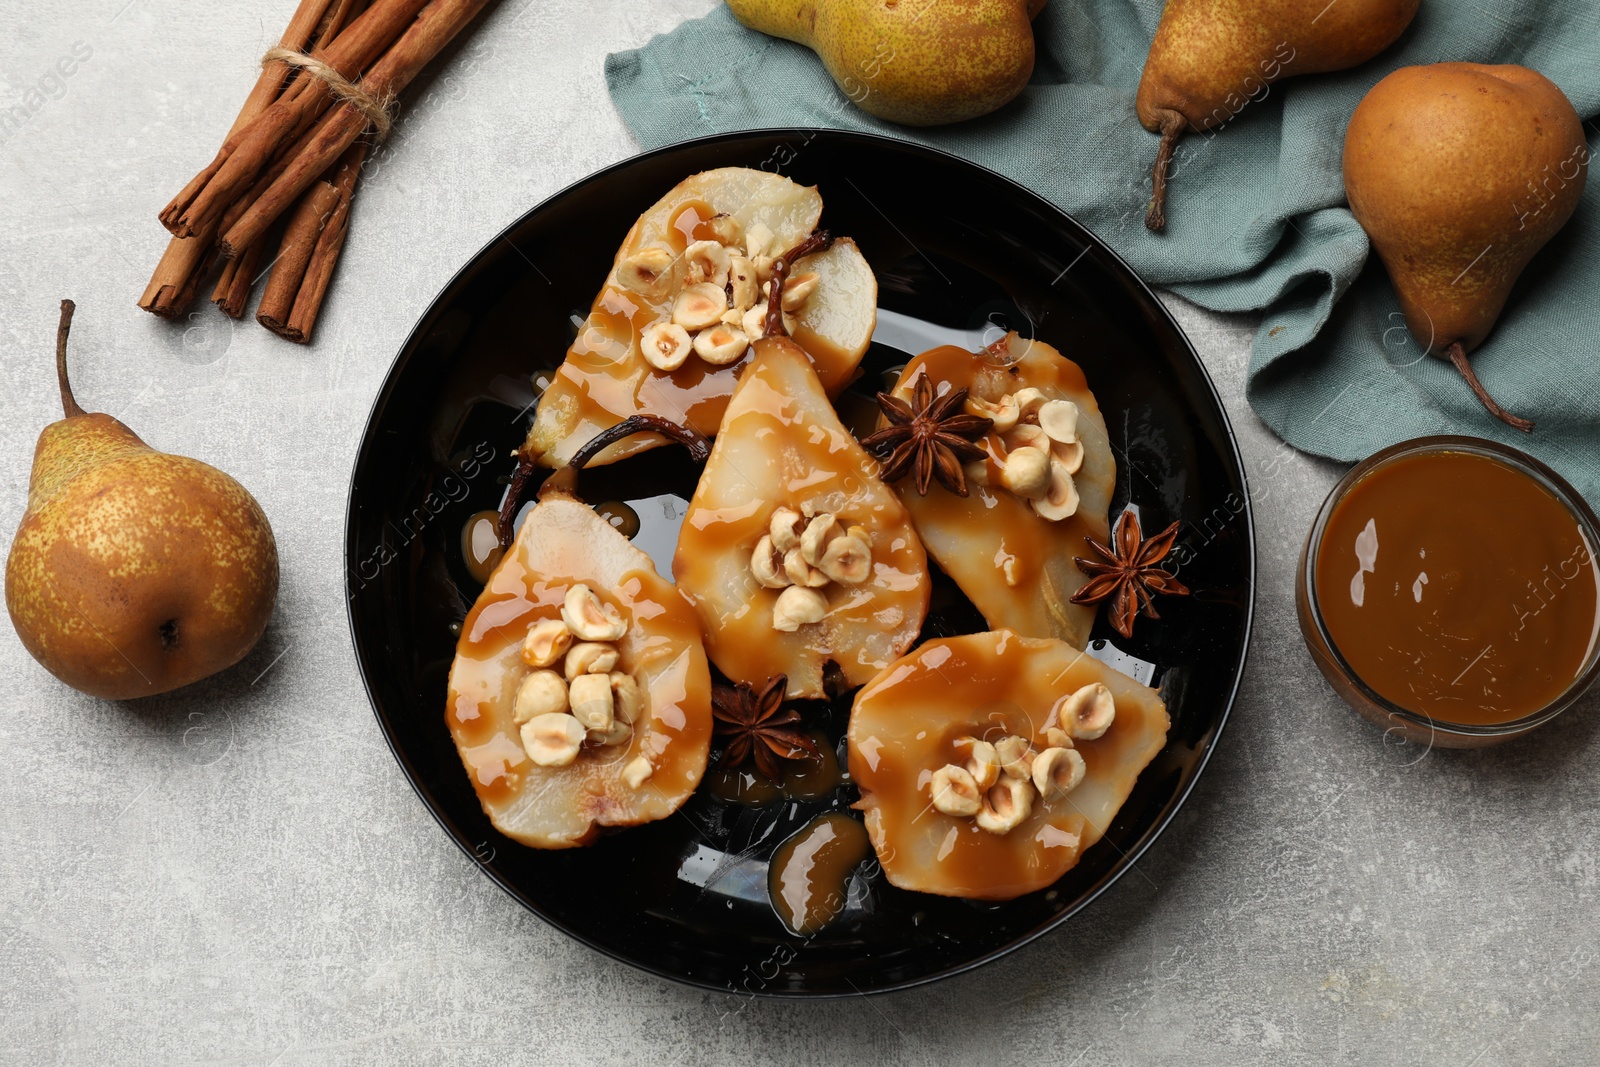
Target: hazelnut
[(1029, 400), (1004, 412), (785, 529), (1006, 804), (648, 272), (1057, 771), (541, 693), (637, 772), (798, 606), (764, 564), (708, 262), (552, 740), (797, 290), (756, 239), (727, 228), (1016, 756), (587, 617), (617, 733), (847, 559), (699, 306), (591, 701), (721, 345), (665, 345), (627, 697), (1056, 737), (798, 571), (982, 761), (819, 531), (546, 643), (954, 792), (743, 289), (1026, 472), (590, 657), (1088, 713), (1059, 420), (1060, 500)]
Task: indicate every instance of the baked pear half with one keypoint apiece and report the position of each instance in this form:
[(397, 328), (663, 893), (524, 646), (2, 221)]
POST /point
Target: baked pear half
[(989, 763), (685, 299), (1042, 487), (580, 696), (793, 552)]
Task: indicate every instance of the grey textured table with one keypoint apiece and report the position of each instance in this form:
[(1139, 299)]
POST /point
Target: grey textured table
[(239, 873)]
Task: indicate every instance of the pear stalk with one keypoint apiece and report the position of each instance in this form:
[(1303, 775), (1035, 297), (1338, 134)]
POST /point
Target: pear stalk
[(69, 404), (1172, 127), (1458, 355)]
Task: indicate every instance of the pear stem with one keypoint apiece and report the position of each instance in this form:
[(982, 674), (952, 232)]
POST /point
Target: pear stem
[(1458, 356), (566, 479), (1172, 127), (68, 404)]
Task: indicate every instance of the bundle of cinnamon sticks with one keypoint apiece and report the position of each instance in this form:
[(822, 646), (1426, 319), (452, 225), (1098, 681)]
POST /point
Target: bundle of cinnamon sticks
[(277, 195)]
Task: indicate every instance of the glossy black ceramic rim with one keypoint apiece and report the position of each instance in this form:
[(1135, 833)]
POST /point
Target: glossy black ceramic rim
[(1129, 857)]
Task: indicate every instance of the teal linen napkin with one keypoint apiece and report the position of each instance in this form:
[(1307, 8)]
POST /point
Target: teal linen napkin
[(1257, 220)]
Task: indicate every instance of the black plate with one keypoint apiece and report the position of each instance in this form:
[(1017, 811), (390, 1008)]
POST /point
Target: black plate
[(959, 252)]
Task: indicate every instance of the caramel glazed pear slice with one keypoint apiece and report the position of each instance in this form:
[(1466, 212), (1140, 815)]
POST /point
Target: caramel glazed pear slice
[(1009, 544), (1018, 756), (672, 326), (580, 696), (792, 550)]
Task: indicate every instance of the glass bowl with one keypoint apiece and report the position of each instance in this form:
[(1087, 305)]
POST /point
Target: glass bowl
[(1384, 713)]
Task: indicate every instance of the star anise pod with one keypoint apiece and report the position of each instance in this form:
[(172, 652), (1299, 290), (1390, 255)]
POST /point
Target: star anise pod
[(1130, 574), (931, 437), (758, 728)]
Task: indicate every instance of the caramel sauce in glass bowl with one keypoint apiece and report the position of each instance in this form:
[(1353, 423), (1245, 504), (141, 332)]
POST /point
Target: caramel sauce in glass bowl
[(1449, 588)]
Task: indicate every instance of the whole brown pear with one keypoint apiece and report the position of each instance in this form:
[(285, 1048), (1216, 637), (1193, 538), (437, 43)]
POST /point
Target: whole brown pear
[(915, 62), (134, 571), (1210, 58), (1460, 173)]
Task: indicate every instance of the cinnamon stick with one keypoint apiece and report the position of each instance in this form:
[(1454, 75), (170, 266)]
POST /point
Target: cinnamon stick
[(434, 28), (177, 277), (238, 277), (324, 208), (242, 157), (330, 243)]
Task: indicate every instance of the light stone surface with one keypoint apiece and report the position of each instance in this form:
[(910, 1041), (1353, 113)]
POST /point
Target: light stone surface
[(239, 873)]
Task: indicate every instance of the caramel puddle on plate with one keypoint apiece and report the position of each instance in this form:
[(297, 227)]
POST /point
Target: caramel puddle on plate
[(1014, 566), (808, 877)]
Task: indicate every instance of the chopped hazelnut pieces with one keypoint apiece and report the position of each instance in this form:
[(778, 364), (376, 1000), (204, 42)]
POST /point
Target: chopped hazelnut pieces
[(541, 693), (954, 791), (743, 288), (802, 555), (1006, 805), (798, 606), (1056, 737), (546, 643), (1057, 771), (665, 345), (1089, 712), (627, 697), (1042, 450), (756, 240), (552, 739), (798, 290), (637, 772), (587, 617), (727, 229)]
